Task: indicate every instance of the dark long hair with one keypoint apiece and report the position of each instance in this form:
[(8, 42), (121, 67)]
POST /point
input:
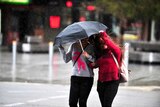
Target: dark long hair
[(98, 49)]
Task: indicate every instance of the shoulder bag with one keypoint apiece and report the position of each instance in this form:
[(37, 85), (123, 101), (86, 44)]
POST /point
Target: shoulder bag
[(123, 71)]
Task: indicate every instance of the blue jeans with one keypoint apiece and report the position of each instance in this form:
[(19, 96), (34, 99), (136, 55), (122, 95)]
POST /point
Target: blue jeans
[(79, 90)]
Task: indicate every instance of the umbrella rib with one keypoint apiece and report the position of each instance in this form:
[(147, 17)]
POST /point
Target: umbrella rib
[(81, 45)]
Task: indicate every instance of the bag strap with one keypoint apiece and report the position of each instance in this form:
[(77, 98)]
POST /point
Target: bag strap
[(115, 60), (79, 55)]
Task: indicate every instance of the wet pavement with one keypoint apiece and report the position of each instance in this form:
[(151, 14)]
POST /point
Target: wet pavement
[(33, 81), (36, 67)]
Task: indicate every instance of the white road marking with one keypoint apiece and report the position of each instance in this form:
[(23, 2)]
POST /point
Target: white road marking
[(14, 104), (37, 100), (34, 101), (58, 97)]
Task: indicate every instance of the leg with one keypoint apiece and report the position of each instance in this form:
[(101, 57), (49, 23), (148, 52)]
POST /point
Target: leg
[(111, 89), (100, 90), (74, 92), (86, 85)]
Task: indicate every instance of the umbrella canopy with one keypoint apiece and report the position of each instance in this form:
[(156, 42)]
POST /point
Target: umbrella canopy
[(78, 31)]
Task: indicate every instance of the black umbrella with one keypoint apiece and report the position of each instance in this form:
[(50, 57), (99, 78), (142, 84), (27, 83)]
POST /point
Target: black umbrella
[(78, 31)]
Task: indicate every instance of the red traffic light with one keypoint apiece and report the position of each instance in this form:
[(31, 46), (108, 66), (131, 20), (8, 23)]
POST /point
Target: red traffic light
[(91, 8), (69, 3), (82, 18), (54, 21)]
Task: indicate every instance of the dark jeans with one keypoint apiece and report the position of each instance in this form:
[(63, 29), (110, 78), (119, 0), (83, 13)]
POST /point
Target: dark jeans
[(107, 92), (79, 90)]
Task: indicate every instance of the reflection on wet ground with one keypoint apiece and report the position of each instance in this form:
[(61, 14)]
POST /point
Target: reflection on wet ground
[(37, 68)]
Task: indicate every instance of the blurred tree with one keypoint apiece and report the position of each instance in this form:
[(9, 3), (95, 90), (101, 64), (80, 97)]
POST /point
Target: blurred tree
[(132, 8), (146, 10)]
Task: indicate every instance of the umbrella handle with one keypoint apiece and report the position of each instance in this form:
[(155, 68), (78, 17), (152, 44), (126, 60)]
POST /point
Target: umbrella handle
[(81, 45)]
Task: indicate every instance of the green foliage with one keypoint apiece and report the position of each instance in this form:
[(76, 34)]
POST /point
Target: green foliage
[(143, 9)]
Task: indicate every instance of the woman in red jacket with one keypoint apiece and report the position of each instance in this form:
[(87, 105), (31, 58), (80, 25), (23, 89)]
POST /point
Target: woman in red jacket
[(108, 75)]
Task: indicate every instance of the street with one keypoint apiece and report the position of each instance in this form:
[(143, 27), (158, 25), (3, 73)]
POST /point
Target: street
[(34, 82), (51, 95)]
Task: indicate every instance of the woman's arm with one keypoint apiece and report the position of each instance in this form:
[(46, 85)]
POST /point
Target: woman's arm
[(115, 49)]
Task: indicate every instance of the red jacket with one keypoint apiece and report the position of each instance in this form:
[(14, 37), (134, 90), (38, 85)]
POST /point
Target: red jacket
[(108, 69)]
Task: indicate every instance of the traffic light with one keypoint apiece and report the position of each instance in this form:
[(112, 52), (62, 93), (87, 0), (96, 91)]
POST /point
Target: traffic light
[(82, 18), (69, 3), (54, 21), (91, 8)]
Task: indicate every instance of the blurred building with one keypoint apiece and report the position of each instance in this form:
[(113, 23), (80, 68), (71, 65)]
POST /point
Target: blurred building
[(30, 18), (44, 18)]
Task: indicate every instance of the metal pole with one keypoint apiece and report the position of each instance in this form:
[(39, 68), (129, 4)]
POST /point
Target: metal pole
[(14, 50), (153, 31), (126, 54), (50, 52), (50, 71)]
